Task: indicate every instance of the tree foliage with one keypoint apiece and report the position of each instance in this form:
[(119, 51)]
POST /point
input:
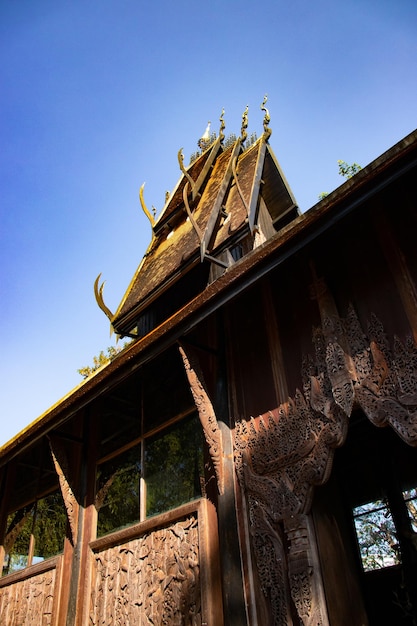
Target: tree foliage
[(103, 358), (171, 475), (345, 170), (46, 521)]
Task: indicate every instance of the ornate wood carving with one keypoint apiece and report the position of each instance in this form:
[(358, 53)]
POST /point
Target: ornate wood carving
[(301, 566), (282, 455), (279, 457), (28, 601), (378, 376), (60, 460), (153, 579), (212, 432)]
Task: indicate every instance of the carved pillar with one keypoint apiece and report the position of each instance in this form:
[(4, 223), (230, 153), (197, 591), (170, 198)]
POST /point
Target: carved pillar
[(279, 458), (304, 571)]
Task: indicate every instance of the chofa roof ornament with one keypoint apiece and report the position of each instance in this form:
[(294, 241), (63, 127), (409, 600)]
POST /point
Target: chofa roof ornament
[(145, 209), (267, 119), (98, 292), (243, 133)]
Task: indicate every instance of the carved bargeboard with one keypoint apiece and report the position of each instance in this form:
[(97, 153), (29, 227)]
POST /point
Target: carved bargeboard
[(29, 602), (282, 455), (151, 579)]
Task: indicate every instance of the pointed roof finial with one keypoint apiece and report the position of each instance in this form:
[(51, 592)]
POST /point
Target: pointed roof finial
[(204, 141), (222, 126), (243, 133), (267, 119)]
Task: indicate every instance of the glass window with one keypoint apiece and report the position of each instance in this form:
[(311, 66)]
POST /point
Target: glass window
[(35, 533), (156, 475), (410, 497), (118, 493), (376, 535), (173, 466)]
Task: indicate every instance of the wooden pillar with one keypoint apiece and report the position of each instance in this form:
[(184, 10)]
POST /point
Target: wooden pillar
[(230, 552), (87, 519)]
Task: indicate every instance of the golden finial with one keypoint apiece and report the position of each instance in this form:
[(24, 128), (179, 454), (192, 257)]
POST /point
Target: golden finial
[(243, 133), (98, 292), (204, 140), (267, 119), (144, 207), (222, 127), (183, 170)]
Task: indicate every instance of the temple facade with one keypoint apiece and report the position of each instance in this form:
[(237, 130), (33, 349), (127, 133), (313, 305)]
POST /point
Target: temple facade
[(249, 459)]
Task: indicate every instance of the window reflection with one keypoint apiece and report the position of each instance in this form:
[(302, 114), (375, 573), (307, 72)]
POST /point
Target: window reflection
[(35, 533), (173, 467), (118, 492), (171, 474)]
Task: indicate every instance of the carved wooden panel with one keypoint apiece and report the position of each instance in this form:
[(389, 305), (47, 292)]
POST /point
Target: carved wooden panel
[(150, 579), (28, 601), (281, 455)]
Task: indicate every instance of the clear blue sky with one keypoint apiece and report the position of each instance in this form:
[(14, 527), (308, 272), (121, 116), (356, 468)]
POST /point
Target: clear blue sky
[(98, 96)]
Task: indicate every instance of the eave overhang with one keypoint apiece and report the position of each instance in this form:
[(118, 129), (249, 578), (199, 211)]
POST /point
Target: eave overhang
[(389, 167)]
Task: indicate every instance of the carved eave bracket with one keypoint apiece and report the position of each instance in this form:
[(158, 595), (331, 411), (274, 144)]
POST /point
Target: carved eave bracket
[(60, 459), (206, 413)]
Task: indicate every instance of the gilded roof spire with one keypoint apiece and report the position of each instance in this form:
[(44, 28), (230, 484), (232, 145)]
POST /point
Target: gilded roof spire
[(204, 141)]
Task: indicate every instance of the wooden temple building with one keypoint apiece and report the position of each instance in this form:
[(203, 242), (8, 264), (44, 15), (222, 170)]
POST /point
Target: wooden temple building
[(250, 458)]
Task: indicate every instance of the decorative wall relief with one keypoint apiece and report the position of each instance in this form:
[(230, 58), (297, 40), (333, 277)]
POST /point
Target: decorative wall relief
[(153, 579), (377, 375), (279, 458), (28, 602), (282, 455)]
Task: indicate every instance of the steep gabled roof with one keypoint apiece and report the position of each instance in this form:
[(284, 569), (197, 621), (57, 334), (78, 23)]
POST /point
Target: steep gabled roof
[(391, 168), (225, 196)]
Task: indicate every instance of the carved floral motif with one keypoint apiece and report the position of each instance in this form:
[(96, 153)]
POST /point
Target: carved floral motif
[(153, 579)]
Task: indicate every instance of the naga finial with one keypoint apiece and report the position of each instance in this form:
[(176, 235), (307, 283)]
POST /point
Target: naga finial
[(267, 119), (222, 127), (98, 292), (183, 170), (243, 133), (147, 212)]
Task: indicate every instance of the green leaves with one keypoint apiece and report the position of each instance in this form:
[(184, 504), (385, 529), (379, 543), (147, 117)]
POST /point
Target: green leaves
[(103, 358), (346, 170)]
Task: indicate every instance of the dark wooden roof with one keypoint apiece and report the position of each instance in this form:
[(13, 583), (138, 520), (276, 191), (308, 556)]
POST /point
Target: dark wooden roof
[(176, 244), (397, 163)]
